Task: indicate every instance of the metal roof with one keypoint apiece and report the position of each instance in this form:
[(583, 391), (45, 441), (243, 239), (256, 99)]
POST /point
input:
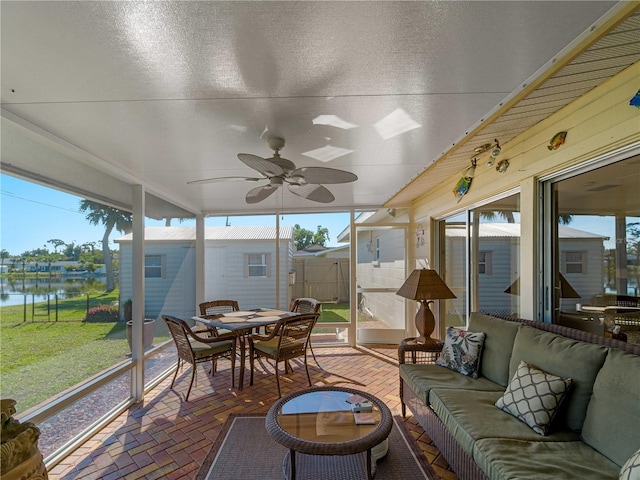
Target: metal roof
[(175, 234)]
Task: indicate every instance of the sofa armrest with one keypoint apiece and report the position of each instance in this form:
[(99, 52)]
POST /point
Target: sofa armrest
[(411, 351)]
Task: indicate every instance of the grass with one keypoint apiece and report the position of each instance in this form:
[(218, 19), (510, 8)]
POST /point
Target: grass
[(334, 312), (39, 359)]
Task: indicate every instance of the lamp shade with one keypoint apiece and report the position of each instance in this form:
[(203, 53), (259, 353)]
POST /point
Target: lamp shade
[(566, 290), (424, 284)]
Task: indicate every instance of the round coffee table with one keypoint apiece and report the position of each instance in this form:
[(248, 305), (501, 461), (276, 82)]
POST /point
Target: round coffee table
[(319, 424)]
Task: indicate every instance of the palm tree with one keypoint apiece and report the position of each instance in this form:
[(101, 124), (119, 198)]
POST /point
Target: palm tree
[(4, 255), (110, 218)]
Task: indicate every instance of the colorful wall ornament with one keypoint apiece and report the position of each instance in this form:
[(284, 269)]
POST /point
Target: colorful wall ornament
[(557, 140)]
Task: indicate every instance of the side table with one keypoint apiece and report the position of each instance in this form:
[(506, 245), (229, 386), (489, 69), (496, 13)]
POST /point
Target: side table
[(323, 438), (418, 352)]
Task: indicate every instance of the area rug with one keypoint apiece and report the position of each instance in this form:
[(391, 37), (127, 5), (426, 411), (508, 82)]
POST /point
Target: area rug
[(245, 451)]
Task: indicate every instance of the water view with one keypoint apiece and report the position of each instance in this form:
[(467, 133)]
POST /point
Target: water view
[(18, 291)]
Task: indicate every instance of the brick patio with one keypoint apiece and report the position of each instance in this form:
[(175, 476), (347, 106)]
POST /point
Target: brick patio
[(165, 437)]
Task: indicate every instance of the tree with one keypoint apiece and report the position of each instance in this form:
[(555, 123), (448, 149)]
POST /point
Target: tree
[(303, 238), (56, 242), (4, 255), (110, 218)]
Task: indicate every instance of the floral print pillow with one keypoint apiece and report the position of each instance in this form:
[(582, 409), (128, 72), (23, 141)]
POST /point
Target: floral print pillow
[(461, 351)]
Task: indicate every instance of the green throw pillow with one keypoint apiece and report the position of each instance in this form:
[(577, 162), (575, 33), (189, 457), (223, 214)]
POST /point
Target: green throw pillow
[(534, 397), (461, 351), (631, 469)]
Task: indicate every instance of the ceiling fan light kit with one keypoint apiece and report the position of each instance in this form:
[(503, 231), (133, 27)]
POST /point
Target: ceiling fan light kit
[(305, 182)]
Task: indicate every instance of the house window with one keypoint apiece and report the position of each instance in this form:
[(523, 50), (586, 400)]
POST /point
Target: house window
[(257, 265), (484, 263), (574, 262), (154, 266), (377, 248)]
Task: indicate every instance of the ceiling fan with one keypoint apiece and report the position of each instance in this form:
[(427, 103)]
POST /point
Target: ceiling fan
[(304, 182)]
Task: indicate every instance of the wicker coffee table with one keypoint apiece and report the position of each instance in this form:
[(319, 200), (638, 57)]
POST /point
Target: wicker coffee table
[(317, 426)]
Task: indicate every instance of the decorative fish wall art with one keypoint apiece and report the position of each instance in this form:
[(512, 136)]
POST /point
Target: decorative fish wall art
[(557, 140), (462, 187)]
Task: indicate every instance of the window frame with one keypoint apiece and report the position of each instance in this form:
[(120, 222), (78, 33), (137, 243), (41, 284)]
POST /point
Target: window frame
[(266, 258), (161, 267)]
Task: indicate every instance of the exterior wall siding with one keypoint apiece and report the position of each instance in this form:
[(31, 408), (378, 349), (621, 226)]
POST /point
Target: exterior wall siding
[(600, 121), (174, 294)]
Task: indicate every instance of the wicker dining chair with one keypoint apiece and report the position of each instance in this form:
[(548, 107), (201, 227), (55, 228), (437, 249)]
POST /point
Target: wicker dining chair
[(306, 305), (289, 339), (218, 307), (194, 349)]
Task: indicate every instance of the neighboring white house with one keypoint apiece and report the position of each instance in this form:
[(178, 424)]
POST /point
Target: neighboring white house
[(239, 264)]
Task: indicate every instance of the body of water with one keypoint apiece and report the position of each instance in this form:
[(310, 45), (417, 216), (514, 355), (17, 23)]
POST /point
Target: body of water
[(14, 290)]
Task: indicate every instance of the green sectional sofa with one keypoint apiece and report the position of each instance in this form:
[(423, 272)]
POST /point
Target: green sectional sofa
[(594, 432)]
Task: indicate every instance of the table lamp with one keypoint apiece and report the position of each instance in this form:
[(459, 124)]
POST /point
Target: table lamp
[(425, 285)]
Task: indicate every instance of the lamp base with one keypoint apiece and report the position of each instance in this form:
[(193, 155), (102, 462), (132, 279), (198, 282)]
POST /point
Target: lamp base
[(425, 323)]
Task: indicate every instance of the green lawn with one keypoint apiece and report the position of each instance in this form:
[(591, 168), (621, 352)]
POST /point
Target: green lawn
[(40, 359), (334, 312)]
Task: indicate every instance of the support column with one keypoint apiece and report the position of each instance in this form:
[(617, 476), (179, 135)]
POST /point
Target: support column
[(353, 288), (277, 261), (137, 259), (200, 262)]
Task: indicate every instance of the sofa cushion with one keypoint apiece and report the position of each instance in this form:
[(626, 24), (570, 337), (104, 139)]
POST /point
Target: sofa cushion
[(563, 357), (470, 416), (503, 459), (631, 469), (534, 397), (461, 351), (612, 425), (422, 378), (498, 343)]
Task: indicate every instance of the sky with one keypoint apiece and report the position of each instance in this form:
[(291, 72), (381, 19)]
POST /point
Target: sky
[(31, 214)]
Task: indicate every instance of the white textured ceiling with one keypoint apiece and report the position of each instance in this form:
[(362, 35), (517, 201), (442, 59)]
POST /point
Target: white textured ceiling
[(97, 96)]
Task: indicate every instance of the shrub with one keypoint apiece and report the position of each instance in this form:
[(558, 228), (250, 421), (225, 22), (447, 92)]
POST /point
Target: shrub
[(103, 313)]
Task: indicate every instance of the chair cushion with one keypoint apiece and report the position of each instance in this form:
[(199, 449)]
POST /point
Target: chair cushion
[(461, 351), (203, 350), (534, 397), (563, 357), (498, 344), (422, 378), (504, 459), (270, 347), (612, 425)]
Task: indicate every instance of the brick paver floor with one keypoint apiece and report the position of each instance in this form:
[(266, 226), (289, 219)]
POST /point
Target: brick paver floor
[(166, 437)]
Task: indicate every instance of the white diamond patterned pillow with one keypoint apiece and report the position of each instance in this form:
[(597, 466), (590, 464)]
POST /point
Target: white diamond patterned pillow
[(631, 469), (534, 397), (461, 351)]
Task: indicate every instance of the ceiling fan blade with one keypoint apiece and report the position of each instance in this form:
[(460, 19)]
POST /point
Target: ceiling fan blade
[(265, 167), (258, 194), (324, 175), (224, 179), (317, 193)]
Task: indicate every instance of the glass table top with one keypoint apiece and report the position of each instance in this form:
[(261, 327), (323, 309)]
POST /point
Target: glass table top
[(326, 417)]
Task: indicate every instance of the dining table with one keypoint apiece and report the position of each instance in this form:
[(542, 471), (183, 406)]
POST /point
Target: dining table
[(242, 323)]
